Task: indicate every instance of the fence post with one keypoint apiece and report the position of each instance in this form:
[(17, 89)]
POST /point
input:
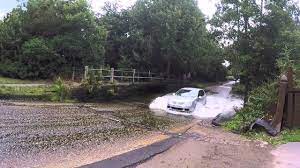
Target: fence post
[(112, 75), (73, 74), (133, 75), (101, 74), (277, 120), (150, 76), (122, 76), (86, 72)]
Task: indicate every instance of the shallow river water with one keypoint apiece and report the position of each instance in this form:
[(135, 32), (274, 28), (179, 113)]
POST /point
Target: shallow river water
[(219, 100)]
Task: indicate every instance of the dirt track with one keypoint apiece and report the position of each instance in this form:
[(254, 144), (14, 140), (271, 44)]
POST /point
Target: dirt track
[(214, 148)]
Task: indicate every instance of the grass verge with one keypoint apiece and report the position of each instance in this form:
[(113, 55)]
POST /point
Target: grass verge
[(37, 93), (284, 137), (5, 80), (33, 93)]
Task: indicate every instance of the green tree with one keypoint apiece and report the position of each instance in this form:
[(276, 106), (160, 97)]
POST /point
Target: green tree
[(256, 33), (167, 36), (37, 58), (67, 30)]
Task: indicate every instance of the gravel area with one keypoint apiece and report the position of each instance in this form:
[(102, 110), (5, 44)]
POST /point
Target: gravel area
[(31, 135)]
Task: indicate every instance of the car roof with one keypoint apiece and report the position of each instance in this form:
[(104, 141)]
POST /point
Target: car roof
[(190, 88)]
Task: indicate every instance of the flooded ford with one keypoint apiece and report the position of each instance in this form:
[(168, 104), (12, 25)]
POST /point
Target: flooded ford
[(218, 101)]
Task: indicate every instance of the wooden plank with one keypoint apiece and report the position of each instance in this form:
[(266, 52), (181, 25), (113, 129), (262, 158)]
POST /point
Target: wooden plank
[(297, 110), (290, 110), (294, 90)]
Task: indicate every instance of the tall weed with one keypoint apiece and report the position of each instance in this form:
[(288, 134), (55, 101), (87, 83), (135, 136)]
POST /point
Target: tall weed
[(60, 89)]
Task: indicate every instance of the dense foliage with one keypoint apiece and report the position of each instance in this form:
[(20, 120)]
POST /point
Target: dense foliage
[(168, 36), (260, 101), (45, 38), (256, 34)]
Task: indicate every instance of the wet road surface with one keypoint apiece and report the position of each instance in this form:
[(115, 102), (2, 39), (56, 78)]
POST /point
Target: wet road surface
[(202, 145), (213, 148), (71, 136), (199, 146)]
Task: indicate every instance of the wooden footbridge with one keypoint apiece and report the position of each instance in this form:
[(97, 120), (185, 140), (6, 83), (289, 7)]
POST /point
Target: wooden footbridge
[(121, 76)]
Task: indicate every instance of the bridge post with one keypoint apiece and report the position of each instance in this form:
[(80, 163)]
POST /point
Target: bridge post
[(133, 75), (101, 73), (86, 72), (112, 71)]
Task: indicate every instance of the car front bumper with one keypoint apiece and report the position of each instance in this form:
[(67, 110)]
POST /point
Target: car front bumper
[(179, 109)]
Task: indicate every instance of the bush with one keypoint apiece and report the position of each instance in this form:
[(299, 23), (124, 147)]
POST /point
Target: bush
[(298, 83), (238, 89), (38, 60), (93, 89), (231, 78), (258, 103)]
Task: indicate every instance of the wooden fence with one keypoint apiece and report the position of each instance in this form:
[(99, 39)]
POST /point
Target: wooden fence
[(126, 76), (288, 105), (293, 108)]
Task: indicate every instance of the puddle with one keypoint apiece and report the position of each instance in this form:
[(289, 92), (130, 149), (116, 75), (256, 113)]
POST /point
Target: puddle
[(219, 100), (287, 156)]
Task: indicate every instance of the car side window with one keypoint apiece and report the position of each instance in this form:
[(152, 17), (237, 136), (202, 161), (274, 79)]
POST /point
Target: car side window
[(201, 93)]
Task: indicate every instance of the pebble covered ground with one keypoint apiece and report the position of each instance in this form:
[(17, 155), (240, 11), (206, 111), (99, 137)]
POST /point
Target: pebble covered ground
[(28, 132)]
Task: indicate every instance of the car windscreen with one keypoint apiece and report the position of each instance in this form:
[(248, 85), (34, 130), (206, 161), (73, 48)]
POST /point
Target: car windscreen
[(187, 93)]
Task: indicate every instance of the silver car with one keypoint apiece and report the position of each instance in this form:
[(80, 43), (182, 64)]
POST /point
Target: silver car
[(186, 99)]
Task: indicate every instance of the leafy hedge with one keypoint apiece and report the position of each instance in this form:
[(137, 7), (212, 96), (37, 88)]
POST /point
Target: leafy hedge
[(258, 103)]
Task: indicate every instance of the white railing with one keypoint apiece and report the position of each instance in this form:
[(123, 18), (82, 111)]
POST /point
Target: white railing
[(121, 75)]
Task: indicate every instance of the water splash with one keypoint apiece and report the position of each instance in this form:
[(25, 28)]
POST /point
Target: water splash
[(220, 101)]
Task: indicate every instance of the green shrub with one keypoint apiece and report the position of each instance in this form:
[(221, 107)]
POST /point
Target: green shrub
[(259, 101), (230, 78), (94, 89), (238, 89), (298, 83), (61, 91)]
